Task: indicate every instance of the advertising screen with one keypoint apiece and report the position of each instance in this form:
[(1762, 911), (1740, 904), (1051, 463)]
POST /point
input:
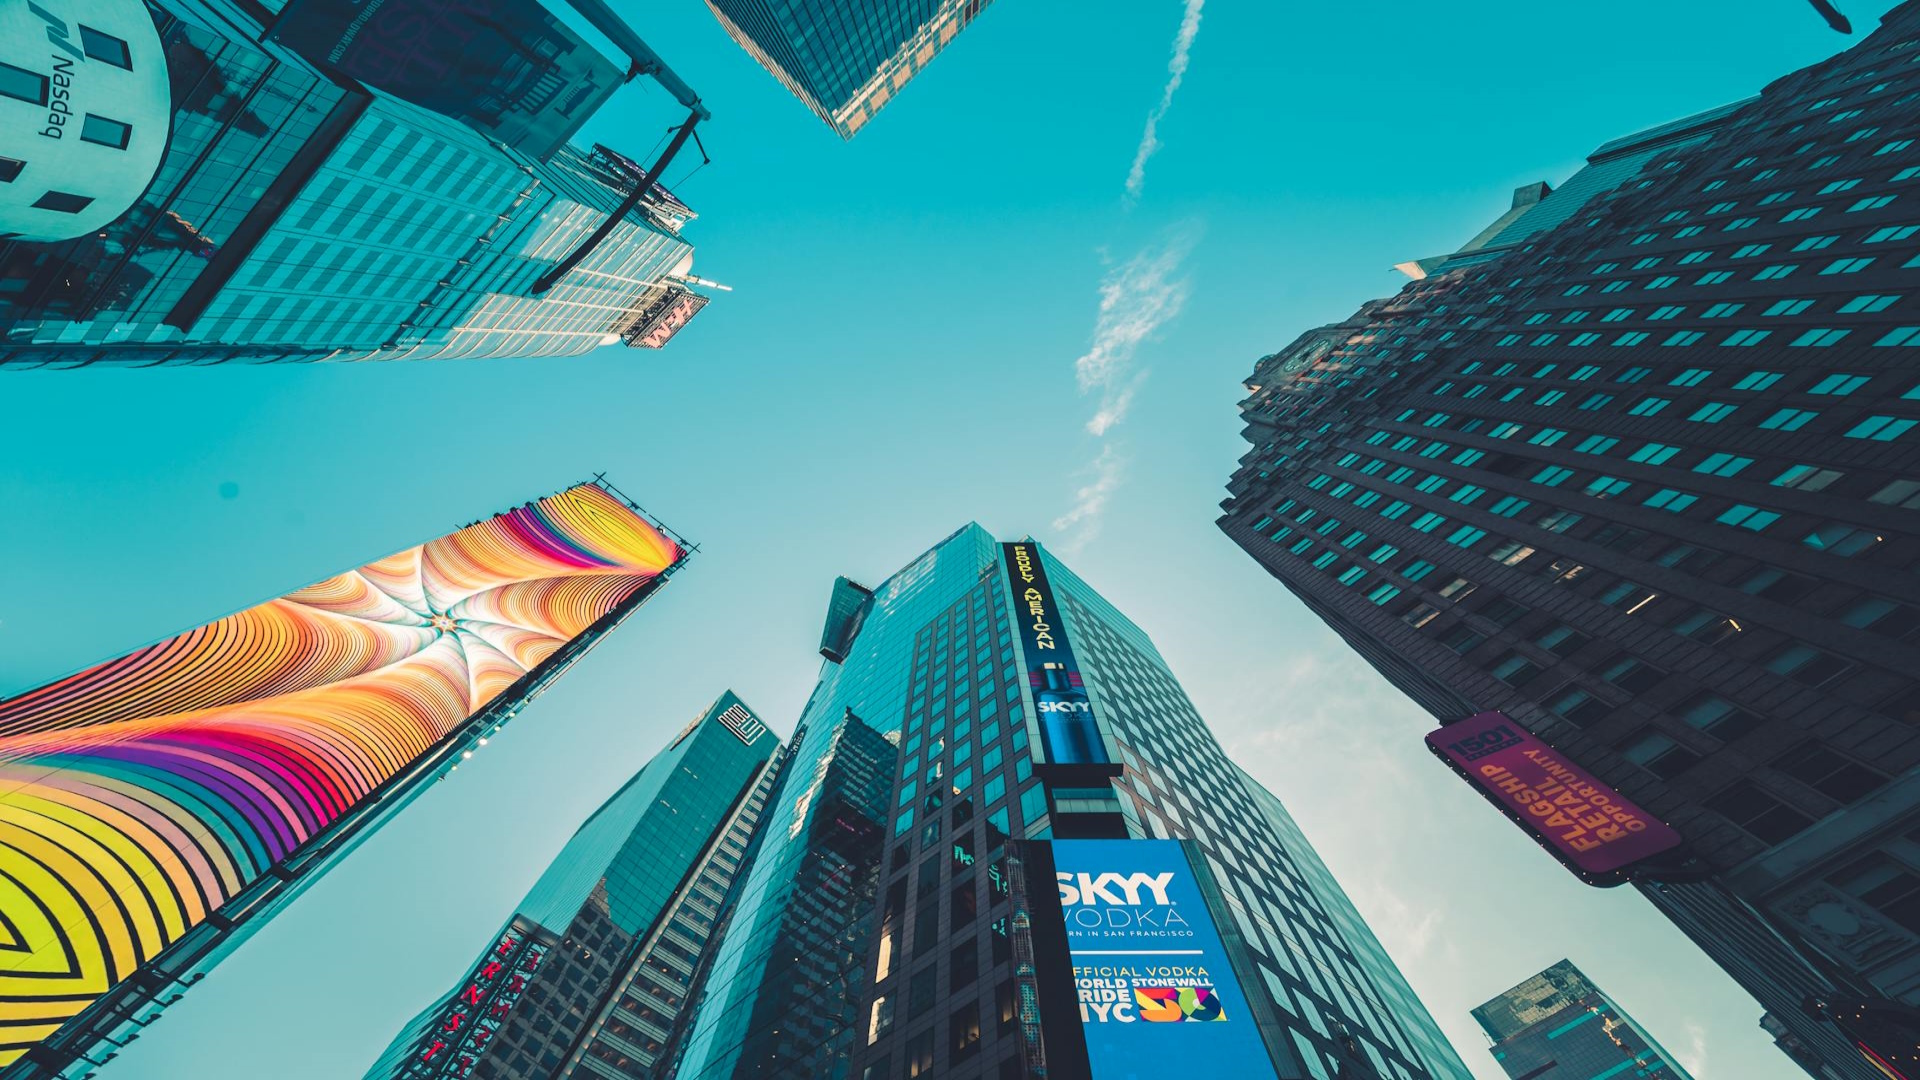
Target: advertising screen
[(138, 796), (507, 68), (1157, 994), (469, 1021), (1069, 732), (1594, 830)]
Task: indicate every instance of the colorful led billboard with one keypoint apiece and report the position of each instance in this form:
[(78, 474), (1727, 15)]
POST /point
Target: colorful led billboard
[(1069, 732), (139, 796), (1592, 828), (1158, 996)]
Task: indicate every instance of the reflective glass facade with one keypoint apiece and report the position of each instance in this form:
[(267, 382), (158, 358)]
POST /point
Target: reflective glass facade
[(935, 989), (845, 58), (1644, 479), (1559, 1026), (623, 912), (297, 218)]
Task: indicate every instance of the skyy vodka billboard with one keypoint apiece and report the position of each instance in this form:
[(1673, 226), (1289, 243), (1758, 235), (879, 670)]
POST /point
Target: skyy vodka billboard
[(1158, 996), (1069, 733)]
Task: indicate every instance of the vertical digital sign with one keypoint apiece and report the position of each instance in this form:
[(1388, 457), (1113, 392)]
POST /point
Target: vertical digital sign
[(162, 790), (1158, 996), (470, 1020), (1589, 826), (1069, 732)]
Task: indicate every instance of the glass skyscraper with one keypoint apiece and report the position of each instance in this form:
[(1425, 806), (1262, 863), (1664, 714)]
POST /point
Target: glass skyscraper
[(616, 925), (1639, 468), (298, 214), (845, 58), (885, 930), (1559, 1026)]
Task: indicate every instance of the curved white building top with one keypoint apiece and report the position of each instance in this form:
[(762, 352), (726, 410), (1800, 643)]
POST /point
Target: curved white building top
[(84, 114)]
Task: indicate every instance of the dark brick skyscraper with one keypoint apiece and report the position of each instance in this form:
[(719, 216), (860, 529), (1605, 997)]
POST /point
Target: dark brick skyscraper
[(1639, 469)]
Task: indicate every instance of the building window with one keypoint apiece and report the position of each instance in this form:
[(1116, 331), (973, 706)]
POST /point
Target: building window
[(1461, 638), (1671, 500), (1805, 664), (1881, 428), (1722, 464), (105, 132), (1632, 675), (1788, 419), (1657, 753), (965, 1027), (1716, 716), (1843, 540), (1420, 616), (1807, 477), (1514, 669), (920, 1054), (1902, 493), (1706, 627), (1561, 640), (23, 85), (1744, 803), (1579, 707), (1829, 773), (105, 48), (62, 202), (1884, 885), (1751, 518)]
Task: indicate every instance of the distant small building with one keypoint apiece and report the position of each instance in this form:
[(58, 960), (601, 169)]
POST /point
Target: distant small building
[(1559, 1026), (845, 60)]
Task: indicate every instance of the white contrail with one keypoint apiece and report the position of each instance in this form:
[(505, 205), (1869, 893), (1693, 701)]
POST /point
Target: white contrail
[(1176, 71)]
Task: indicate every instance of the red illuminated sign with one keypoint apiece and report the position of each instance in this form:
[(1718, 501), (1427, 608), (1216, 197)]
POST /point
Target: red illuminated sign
[(1593, 829), (468, 1023)]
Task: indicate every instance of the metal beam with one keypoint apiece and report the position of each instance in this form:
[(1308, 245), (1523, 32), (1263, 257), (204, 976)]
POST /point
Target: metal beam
[(626, 206), (644, 60)]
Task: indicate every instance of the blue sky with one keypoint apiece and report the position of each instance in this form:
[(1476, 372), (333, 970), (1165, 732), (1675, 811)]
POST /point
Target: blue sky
[(925, 323)]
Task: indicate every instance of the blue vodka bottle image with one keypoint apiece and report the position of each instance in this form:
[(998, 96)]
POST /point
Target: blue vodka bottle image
[(1067, 731)]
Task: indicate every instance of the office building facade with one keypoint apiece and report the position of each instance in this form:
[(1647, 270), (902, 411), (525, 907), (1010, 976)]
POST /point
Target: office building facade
[(588, 975), (845, 61), (278, 210), (1645, 478), (1559, 1026), (922, 958), (162, 805)]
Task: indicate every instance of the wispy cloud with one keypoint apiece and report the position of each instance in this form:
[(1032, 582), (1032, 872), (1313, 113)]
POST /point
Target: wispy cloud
[(1176, 71), (1694, 1057), (1082, 521), (1137, 298)]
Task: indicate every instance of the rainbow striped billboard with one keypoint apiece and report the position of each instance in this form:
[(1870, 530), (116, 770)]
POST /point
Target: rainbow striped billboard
[(141, 795)]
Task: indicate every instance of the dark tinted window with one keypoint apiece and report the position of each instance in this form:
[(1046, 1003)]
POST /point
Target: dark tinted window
[(22, 84), (1746, 805), (105, 48), (63, 202)]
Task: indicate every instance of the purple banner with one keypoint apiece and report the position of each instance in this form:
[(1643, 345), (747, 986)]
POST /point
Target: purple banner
[(1589, 825)]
